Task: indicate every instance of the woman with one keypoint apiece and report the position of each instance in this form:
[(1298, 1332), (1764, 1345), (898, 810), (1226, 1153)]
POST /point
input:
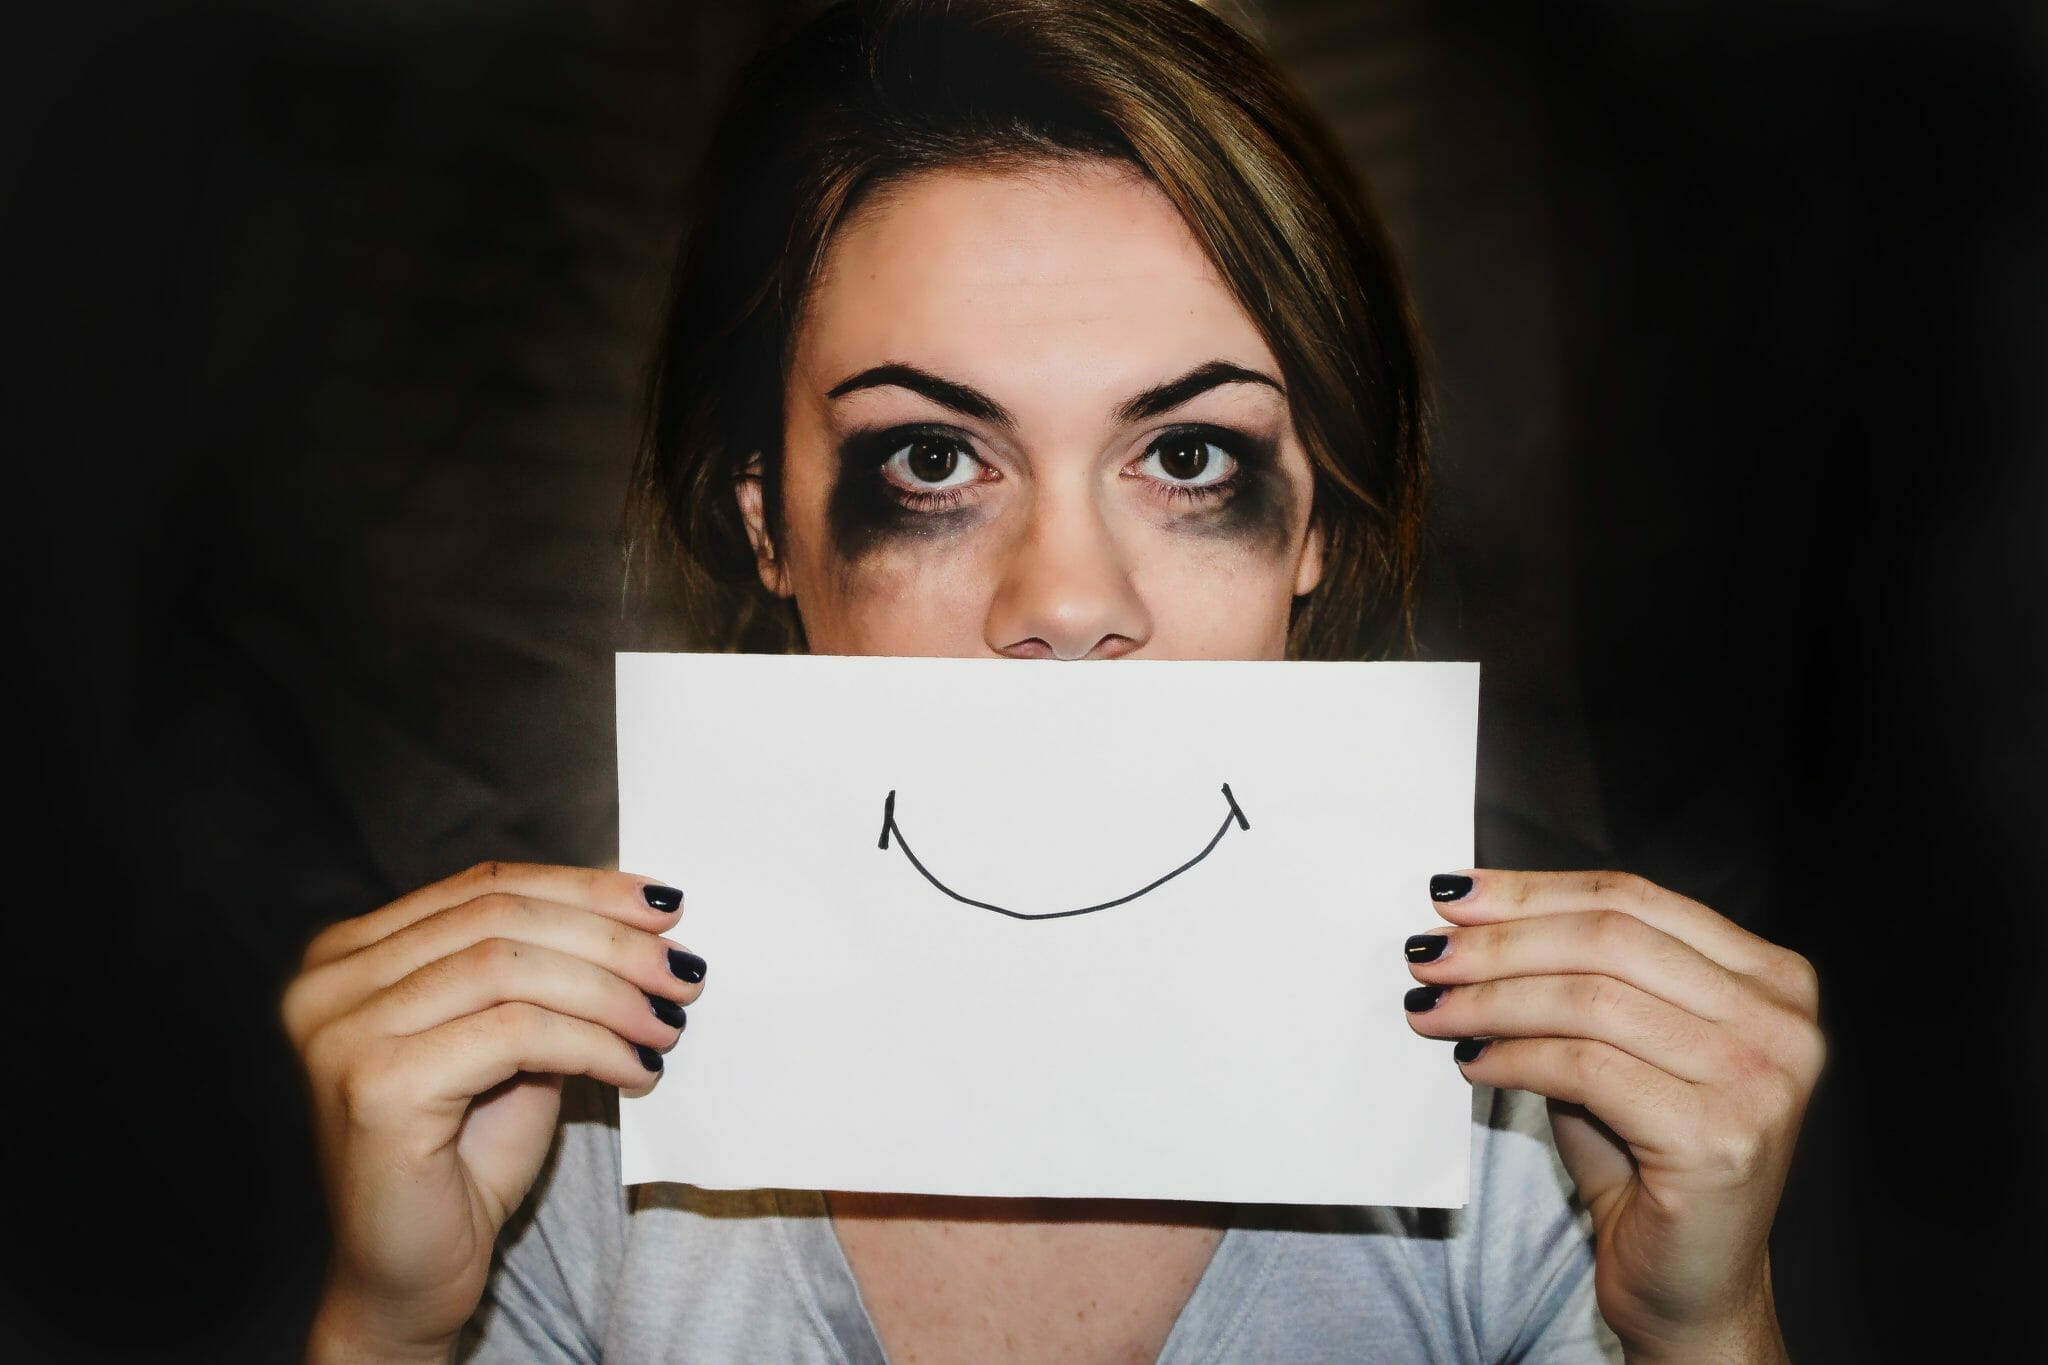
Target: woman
[(1042, 328)]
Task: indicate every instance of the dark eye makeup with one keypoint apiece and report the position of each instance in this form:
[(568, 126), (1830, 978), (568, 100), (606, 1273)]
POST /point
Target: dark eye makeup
[(1252, 504), (868, 508), (913, 481)]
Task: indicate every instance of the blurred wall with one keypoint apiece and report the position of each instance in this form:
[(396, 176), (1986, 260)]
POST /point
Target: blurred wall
[(326, 323)]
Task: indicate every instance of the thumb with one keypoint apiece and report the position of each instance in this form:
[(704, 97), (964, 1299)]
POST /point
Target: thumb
[(1598, 1162), (505, 1138)]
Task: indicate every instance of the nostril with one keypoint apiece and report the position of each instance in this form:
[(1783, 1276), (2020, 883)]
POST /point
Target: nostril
[(1112, 647), (1108, 647)]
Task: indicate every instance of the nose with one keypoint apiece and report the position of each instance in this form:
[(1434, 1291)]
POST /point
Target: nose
[(1066, 590)]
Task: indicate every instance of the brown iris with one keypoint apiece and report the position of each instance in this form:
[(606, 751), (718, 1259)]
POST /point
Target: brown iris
[(932, 461), (1185, 457)]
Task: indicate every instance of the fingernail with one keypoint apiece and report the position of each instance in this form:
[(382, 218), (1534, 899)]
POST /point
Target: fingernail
[(662, 898), (1468, 1049), (649, 1058), (1422, 998), (668, 1011), (687, 966), (1426, 947), (1449, 886)]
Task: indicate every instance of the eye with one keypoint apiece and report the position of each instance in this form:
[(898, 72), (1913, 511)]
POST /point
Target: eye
[(1188, 459), (929, 464)]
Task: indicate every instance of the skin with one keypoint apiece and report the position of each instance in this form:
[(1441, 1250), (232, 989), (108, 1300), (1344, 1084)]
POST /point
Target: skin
[(1059, 295), (1678, 1050)]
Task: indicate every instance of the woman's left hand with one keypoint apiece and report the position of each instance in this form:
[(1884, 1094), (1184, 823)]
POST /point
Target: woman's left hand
[(1678, 1051)]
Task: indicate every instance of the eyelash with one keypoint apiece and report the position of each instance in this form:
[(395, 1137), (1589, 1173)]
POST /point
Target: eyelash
[(874, 449)]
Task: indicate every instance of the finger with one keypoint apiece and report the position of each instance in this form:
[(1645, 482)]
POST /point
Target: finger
[(640, 957), (1497, 895), (1605, 942), (1585, 1006), (624, 896), (1648, 1108), (446, 1067), (499, 971)]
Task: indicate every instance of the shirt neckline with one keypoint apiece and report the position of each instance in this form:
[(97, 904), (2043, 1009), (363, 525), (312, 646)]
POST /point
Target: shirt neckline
[(1205, 1324)]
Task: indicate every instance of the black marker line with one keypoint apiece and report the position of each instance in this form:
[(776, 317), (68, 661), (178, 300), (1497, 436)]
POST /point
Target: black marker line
[(889, 826)]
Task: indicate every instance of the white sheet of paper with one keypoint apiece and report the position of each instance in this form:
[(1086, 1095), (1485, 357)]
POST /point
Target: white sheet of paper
[(1233, 1034)]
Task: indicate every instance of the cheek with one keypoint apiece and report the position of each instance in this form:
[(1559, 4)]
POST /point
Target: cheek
[(1212, 597), (923, 593), (1221, 585)]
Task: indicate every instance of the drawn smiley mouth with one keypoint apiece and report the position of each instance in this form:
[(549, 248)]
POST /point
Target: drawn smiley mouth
[(889, 827)]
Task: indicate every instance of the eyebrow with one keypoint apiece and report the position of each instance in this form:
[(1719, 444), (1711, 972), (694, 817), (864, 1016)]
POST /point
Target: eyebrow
[(973, 403)]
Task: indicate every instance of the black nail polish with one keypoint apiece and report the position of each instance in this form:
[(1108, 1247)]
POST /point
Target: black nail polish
[(1426, 947), (1422, 998), (1449, 886), (649, 1058), (662, 898), (1468, 1049), (668, 1011), (687, 966)]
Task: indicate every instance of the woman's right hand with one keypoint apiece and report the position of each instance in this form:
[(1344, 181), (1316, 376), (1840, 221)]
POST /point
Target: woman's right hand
[(435, 1033)]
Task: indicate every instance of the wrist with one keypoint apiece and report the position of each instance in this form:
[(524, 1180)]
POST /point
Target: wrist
[(1747, 1334), (347, 1331)]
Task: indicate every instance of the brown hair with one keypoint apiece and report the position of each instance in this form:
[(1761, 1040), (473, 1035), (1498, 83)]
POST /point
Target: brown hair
[(868, 92)]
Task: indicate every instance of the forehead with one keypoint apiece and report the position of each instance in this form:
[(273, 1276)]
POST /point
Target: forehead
[(1083, 274)]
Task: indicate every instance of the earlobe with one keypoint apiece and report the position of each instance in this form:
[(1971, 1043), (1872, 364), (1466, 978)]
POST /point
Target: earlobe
[(748, 489), (1309, 571)]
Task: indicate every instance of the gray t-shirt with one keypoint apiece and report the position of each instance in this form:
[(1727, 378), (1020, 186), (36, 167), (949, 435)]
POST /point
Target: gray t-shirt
[(591, 1270)]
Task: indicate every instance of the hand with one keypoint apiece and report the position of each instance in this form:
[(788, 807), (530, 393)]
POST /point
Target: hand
[(1678, 1052), (435, 1033)]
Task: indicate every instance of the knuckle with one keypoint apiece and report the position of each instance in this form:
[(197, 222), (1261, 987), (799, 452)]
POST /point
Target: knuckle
[(1803, 1053), (1597, 995), (485, 873), (1613, 931), (491, 910), (295, 1011), (1621, 886), (1750, 1064), (325, 946), (1733, 1151), (493, 959), (324, 1054), (1784, 1094), (1795, 976), (517, 1023), (369, 1088), (492, 874), (1813, 1054), (1626, 886), (1792, 1042), (1589, 1060)]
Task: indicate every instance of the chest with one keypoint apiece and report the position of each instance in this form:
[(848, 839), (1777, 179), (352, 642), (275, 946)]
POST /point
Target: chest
[(991, 1285)]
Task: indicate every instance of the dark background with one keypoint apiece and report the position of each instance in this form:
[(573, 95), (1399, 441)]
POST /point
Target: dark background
[(323, 328)]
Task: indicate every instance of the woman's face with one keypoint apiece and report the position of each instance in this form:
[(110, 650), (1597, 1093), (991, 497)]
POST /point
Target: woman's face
[(1027, 418)]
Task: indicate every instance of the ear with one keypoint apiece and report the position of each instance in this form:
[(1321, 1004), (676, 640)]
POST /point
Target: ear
[(1309, 571), (747, 487)]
